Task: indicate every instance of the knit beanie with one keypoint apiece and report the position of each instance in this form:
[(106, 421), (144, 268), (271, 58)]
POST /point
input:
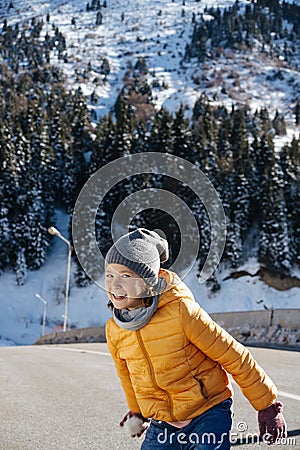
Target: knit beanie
[(142, 251)]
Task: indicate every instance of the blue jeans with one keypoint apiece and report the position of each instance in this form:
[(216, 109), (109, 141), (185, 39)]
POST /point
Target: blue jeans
[(210, 431)]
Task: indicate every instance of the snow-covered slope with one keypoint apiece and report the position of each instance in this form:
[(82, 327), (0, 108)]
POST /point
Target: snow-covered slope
[(157, 30), (21, 312)]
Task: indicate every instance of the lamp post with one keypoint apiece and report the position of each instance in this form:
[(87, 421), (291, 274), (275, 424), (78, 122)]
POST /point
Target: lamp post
[(45, 311), (55, 232), (68, 322)]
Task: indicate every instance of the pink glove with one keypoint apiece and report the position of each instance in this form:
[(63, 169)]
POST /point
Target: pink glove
[(135, 423), (272, 425)]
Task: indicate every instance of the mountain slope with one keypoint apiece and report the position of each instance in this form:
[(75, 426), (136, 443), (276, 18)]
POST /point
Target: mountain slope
[(159, 32)]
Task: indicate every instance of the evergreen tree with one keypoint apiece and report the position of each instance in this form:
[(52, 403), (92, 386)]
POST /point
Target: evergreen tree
[(79, 120), (35, 235), (274, 243), (205, 131), (104, 144), (264, 160), (161, 141), (141, 139), (182, 137), (49, 176), (234, 247), (69, 180), (297, 113), (8, 192), (124, 126), (290, 164), (21, 153), (279, 124), (5, 257), (99, 18), (264, 118), (161, 132), (20, 267), (242, 171), (205, 243)]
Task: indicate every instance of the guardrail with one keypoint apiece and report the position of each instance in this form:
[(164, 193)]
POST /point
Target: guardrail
[(285, 318), (278, 326)]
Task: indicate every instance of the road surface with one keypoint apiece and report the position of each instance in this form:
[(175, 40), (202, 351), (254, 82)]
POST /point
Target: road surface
[(69, 398)]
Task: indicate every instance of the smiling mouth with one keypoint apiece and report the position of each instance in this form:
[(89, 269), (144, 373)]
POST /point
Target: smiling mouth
[(119, 297)]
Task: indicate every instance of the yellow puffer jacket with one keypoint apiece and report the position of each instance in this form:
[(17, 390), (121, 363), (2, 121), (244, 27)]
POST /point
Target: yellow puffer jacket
[(174, 368)]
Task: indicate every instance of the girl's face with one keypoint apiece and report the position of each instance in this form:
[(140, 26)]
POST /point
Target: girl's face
[(125, 288)]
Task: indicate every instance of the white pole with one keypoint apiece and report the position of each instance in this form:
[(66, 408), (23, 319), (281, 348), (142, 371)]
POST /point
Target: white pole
[(67, 287), (44, 313), (55, 232)]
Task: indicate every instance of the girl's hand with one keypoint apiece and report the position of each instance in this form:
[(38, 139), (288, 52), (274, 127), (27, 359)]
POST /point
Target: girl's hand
[(272, 425), (135, 423)]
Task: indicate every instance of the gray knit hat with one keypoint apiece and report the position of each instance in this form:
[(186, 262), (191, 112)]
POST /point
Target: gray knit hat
[(141, 251)]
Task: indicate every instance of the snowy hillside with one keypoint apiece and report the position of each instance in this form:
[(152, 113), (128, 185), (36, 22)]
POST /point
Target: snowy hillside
[(157, 30), (21, 312)]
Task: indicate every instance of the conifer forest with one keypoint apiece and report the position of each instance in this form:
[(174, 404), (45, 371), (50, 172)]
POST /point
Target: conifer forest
[(51, 142)]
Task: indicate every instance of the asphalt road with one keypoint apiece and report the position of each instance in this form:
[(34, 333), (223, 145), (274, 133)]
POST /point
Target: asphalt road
[(69, 398)]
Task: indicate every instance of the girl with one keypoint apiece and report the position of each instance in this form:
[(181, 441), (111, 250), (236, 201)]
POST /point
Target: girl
[(173, 359)]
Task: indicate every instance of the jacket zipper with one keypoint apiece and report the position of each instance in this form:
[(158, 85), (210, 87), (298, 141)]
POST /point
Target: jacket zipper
[(152, 374)]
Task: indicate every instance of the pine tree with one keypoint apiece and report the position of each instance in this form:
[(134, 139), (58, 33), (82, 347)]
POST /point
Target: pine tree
[(49, 176), (224, 151), (99, 18), (295, 222), (20, 267), (274, 243), (124, 126), (103, 223), (205, 243), (86, 266), (79, 120), (141, 139), (279, 124), (297, 113), (4, 230), (21, 153), (205, 131), (35, 235), (264, 120), (264, 160), (239, 140), (8, 193), (182, 137), (81, 277), (69, 180), (290, 164), (104, 144), (161, 132), (234, 247)]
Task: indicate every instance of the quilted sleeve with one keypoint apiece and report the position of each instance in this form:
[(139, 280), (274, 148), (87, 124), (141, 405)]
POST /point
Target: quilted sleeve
[(221, 347), (123, 373)]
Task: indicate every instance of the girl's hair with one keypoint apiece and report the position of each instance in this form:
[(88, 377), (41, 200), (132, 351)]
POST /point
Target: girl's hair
[(146, 301), (110, 305)]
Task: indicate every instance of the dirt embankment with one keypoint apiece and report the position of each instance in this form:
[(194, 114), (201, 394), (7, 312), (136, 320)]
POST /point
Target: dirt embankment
[(281, 283), (76, 335)]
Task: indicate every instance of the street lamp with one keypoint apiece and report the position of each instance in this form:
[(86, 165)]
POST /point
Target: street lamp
[(68, 322), (45, 311), (55, 232)]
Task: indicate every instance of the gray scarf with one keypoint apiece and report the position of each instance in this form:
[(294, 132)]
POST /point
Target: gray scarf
[(137, 318)]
